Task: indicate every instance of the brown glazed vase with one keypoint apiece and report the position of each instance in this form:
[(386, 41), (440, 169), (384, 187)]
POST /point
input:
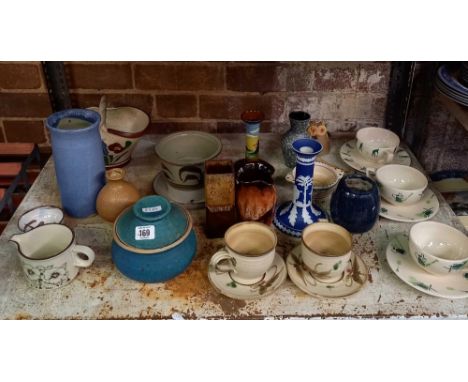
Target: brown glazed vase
[(116, 195), (255, 191)]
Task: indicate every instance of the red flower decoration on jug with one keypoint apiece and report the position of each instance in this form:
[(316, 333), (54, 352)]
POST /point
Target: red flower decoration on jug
[(116, 147)]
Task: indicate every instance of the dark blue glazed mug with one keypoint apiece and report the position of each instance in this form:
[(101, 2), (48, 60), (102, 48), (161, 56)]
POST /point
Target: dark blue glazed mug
[(355, 205)]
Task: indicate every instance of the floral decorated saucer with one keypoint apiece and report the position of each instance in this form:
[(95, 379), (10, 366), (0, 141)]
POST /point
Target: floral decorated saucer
[(352, 281), (400, 261), (351, 156), (425, 209), (271, 281)]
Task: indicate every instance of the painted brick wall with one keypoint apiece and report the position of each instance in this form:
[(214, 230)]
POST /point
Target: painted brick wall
[(211, 96), (207, 96)]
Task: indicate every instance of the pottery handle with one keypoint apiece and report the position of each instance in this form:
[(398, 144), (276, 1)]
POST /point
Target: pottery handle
[(387, 156), (370, 172), (223, 256), (103, 112), (80, 262)]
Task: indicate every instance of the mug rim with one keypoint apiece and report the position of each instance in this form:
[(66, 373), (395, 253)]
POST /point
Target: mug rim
[(50, 257), (253, 223), (362, 177), (327, 224), (374, 128)]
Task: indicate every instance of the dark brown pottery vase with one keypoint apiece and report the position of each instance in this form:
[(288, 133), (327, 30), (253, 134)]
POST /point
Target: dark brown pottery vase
[(255, 191)]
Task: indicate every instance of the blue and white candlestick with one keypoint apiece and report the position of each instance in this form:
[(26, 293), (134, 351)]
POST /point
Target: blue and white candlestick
[(293, 216)]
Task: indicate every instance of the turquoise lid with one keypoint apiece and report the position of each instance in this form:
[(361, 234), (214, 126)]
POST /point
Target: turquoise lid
[(152, 223)]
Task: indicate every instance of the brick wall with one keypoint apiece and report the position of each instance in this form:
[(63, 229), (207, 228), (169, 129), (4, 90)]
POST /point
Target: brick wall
[(207, 96), (24, 103)]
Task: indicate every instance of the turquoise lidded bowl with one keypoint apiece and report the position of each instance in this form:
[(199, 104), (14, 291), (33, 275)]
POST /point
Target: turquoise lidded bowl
[(154, 240)]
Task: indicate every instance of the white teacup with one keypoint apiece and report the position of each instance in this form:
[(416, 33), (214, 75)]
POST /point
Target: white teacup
[(249, 252), (49, 256), (326, 251), (377, 144), (438, 248), (401, 185)]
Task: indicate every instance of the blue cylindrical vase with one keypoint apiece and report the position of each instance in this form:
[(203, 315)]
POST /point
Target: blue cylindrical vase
[(79, 160)]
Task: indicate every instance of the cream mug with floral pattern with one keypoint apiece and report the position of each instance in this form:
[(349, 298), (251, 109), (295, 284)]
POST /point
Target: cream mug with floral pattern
[(49, 256)]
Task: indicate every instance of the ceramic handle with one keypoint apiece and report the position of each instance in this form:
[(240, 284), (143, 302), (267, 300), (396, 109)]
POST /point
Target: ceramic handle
[(387, 156), (224, 256), (370, 172), (79, 262), (103, 112)]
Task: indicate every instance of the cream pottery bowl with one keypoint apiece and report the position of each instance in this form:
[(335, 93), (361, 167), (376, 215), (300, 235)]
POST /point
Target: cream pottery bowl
[(401, 185), (183, 156)]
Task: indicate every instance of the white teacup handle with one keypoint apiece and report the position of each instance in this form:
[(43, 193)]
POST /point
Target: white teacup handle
[(387, 156), (79, 262), (223, 255), (370, 172)]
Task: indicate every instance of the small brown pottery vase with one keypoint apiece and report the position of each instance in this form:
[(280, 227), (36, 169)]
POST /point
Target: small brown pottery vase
[(116, 195)]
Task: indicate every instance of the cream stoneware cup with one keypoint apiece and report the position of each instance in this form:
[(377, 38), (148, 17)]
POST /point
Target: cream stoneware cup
[(377, 144), (326, 251), (249, 252), (49, 256), (401, 185), (438, 248)]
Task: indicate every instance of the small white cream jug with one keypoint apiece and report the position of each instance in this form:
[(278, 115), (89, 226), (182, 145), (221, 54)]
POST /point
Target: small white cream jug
[(49, 256)]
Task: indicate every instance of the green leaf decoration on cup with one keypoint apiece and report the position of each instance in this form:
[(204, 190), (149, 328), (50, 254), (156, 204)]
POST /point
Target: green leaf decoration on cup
[(457, 266), (422, 260)]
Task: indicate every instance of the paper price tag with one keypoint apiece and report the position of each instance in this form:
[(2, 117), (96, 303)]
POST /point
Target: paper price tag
[(152, 209), (144, 232)]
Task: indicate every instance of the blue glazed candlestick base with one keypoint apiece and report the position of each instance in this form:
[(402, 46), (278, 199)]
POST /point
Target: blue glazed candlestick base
[(291, 219), (293, 216)]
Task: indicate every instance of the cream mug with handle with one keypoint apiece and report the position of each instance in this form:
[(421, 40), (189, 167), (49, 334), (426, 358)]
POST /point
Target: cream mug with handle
[(249, 252), (49, 256)]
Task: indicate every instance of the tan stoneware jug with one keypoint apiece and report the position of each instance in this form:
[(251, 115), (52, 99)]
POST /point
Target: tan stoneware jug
[(116, 195)]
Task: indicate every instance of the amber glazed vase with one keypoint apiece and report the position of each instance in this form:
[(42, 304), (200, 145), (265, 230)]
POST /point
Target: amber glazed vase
[(116, 195)]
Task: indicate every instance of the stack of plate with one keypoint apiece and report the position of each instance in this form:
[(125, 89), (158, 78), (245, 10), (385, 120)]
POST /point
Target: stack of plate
[(448, 82)]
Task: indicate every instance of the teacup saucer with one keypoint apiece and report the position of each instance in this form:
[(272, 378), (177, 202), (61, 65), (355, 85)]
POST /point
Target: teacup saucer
[(187, 197), (351, 156), (353, 279), (400, 261), (271, 281), (423, 210)]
